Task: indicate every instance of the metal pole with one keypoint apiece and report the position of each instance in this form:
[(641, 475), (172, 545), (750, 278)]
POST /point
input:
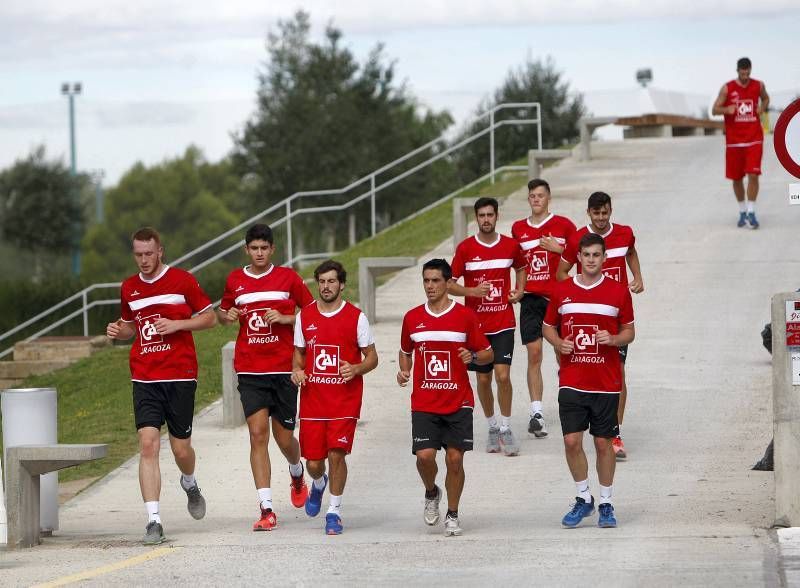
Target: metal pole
[(372, 202), (491, 146), (73, 168), (85, 316), (539, 125), (289, 253), (76, 251)]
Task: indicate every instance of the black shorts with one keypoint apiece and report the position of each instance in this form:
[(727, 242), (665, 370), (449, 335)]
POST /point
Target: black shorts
[(155, 403), (435, 431), (623, 353), (275, 392), (588, 410), (532, 309), (503, 347)]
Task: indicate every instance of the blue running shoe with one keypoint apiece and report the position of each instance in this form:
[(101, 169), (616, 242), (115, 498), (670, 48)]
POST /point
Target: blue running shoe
[(751, 218), (742, 219), (314, 500), (579, 511), (333, 524), (606, 520)]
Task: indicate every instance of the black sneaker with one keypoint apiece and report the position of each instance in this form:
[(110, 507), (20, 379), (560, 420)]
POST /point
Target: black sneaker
[(536, 426), (196, 504), (153, 534)]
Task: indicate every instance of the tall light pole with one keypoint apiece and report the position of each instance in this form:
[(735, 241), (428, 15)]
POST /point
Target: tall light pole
[(70, 91)]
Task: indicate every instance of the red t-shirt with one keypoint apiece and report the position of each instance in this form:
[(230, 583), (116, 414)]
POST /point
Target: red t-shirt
[(173, 294), (328, 339), (441, 384), (542, 264), (480, 262), (743, 127), (262, 348), (582, 311), (619, 240)]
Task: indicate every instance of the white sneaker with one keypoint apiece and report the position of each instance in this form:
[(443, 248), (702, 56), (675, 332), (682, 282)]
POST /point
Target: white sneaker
[(493, 442), (432, 508), (537, 426), (509, 443), (451, 527)]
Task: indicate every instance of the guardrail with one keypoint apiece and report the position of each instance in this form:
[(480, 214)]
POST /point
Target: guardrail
[(371, 188)]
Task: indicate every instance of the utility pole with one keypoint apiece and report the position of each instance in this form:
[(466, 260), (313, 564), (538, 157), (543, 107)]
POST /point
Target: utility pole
[(70, 91)]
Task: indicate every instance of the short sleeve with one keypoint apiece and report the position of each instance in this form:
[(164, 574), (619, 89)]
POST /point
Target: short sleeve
[(365, 338), (125, 310), (551, 317), (476, 340), (458, 262), (570, 253), (626, 308), (299, 339), (406, 345), (228, 297), (300, 293), (519, 257), (197, 299)]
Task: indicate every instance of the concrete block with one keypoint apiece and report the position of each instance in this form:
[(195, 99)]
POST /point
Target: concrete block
[(538, 158), (10, 370), (24, 464), (7, 383), (58, 348), (587, 126), (232, 411), (463, 208), (371, 267)]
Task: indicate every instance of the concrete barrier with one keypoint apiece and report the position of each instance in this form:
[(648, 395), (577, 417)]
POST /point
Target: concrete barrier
[(232, 411), (24, 465), (368, 269), (587, 126), (537, 158), (786, 416)]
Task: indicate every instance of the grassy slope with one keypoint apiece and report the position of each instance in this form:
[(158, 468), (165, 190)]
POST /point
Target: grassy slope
[(94, 395)]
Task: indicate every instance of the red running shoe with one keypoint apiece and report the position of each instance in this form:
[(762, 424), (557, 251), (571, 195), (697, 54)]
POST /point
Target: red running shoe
[(619, 448), (267, 522), (298, 491)]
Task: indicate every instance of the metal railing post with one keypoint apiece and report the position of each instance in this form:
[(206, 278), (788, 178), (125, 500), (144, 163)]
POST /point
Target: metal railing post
[(491, 146), (372, 203), (289, 253), (539, 125), (85, 315)]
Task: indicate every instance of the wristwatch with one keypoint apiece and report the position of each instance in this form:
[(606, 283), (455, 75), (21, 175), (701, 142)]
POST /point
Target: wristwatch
[(474, 357)]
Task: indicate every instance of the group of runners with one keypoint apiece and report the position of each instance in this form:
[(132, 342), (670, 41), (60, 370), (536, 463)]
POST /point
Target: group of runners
[(291, 344)]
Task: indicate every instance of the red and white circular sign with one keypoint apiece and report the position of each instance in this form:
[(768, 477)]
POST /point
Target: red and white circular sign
[(786, 138)]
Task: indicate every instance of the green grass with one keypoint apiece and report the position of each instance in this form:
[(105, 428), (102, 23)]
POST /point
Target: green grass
[(94, 394)]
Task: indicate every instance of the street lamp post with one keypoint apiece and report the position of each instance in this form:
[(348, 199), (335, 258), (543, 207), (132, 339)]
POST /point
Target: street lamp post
[(70, 91)]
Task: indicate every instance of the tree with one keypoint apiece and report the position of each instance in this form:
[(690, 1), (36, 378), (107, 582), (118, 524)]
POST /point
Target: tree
[(323, 120), (40, 211), (173, 197), (534, 81)]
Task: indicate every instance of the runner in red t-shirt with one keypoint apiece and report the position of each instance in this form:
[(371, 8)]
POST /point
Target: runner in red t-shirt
[(438, 340), (263, 299), (333, 349), (485, 262), (620, 253), (588, 317), (542, 237), (157, 306), (743, 101)]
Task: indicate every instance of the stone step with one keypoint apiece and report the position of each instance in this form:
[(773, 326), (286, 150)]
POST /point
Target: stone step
[(59, 348), (5, 384), (14, 370)]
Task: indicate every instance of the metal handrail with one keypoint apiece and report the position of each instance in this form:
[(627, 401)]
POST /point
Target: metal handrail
[(290, 213)]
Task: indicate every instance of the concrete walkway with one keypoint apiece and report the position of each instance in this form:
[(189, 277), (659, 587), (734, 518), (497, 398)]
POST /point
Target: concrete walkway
[(690, 510)]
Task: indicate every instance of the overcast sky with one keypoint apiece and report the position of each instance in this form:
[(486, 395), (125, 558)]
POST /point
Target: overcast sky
[(159, 75)]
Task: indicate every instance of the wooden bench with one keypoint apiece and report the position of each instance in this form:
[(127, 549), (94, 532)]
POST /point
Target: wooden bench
[(668, 125), (370, 268), (537, 158), (24, 464)]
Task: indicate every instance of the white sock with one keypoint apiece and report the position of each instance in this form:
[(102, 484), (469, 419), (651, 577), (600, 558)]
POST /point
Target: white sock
[(536, 406), (319, 483), (505, 423), (295, 469), (336, 504), (751, 206), (583, 490), (492, 421), (742, 206), (265, 497), (605, 494), (152, 511), (188, 480)]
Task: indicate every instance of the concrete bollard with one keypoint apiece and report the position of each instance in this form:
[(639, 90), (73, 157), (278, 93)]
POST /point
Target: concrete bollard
[(461, 208), (3, 517), (786, 413), (232, 411)]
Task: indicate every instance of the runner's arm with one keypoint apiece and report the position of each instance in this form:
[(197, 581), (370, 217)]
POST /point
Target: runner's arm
[(457, 289), (637, 284), (299, 366), (562, 273), (120, 330), (763, 106), (226, 317), (405, 362), (205, 319), (519, 285), (719, 104)]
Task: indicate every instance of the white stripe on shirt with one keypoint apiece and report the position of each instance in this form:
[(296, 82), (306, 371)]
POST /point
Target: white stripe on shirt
[(261, 296), (616, 252), (535, 243), (489, 264), (450, 336), (153, 300), (588, 308)]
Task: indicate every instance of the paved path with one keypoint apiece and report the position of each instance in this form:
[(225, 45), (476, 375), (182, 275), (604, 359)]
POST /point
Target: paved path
[(690, 510)]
